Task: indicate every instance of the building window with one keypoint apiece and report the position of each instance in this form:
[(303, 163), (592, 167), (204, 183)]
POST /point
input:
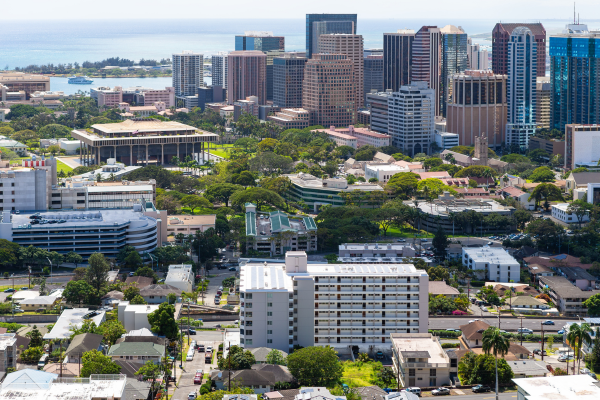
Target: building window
[(269, 304), (269, 322), (248, 332), (432, 382), (269, 313), (249, 296), (411, 372), (248, 341), (249, 305), (269, 332), (269, 341)]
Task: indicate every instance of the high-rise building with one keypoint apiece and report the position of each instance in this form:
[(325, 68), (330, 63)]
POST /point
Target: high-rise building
[(574, 77), (521, 87), (477, 105), (288, 74), (543, 94), (247, 76), (373, 74), (271, 55), (352, 46), (387, 298), (427, 60), (397, 58), (219, 69), (378, 107), (478, 57), (329, 90), (454, 60), (373, 52), (582, 146), (336, 23), (261, 41), (188, 73), (501, 38), (411, 118)]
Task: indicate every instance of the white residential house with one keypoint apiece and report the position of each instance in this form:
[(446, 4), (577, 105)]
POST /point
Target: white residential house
[(181, 276), (135, 316), (492, 263), (561, 212), (519, 195), (8, 351)]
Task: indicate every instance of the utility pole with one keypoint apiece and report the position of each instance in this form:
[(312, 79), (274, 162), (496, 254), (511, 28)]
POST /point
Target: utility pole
[(188, 320), (521, 330), (229, 362), (60, 358), (542, 341)]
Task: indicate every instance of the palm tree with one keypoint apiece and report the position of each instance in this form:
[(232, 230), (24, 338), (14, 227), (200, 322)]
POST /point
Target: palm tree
[(505, 179), (579, 334), (496, 343), (175, 160), (487, 173)]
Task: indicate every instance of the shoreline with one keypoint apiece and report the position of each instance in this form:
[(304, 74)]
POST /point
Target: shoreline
[(111, 76)]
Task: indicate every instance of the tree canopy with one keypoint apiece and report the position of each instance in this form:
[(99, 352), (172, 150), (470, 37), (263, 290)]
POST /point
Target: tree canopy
[(162, 321), (315, 366)]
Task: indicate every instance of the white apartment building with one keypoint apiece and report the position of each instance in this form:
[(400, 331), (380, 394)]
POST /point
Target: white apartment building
[(561, 212), (219, 69), (135, 316), (445, 140), (340, 305), (8, 351), (421, 360), (23, 189), (181, 276), (492, 263), (411, 118), (383, 173), (188, 73)]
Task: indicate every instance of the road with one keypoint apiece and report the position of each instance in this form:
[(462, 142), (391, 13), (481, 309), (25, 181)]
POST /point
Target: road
[(486, 396), (217, 278), (185, 384), (509, 324)]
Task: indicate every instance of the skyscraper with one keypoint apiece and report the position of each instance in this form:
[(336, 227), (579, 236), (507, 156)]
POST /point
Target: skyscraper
[(574, 76), (247, 76), (477, 104), (373, 74), (329, 92), (270, 57), (397, 58), (543, 94), (427, 60), (261, 41), (219, 69), (411, 118), (454, 60), (352, 46), (288, 74), (520, 89), (501, 38), (341, 23), (188, 73), (478, 57)]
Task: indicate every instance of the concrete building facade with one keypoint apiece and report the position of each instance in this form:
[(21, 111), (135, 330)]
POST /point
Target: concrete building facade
[(500, 43), (322, 24), (288, 75), (188, 73), (373, 81), (397, 59), (220, 69), (427, 60), (247, 76)]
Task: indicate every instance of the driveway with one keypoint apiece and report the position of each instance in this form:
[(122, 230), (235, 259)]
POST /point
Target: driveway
[(217, 279)]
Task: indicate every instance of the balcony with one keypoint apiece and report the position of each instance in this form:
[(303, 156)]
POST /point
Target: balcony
[(425, 365)]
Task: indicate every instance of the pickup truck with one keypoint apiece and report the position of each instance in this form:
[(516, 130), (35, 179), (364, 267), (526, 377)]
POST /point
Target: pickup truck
[(208, 357)]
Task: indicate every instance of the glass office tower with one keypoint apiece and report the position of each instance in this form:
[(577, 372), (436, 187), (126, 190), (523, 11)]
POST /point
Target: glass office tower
[(454, 60), (261, 41), (312, 40)]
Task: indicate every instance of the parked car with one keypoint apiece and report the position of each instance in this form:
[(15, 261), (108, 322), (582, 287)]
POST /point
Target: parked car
[(198, 378), (414, 390), (481, 389), (131, 273), (192, 331), (453, 330), (474, 320), (565, 357), (232, 268), (490, 243), (548, 322), (192, 396), (538, 351), (525, 330), (379, 355), (442, 391)]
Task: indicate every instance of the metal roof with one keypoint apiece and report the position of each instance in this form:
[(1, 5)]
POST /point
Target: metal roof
[(279, 221), (310, 224), (250, 223)]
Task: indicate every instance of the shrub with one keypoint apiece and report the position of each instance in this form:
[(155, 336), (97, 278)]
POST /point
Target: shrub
[(477, 283), (445, 334), (450, 345), (459, 312)]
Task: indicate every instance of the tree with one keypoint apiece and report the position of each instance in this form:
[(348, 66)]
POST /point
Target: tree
[(193, 201), (238, 359), (147, 272), (546, 191), (522, 217), (433, 187), (439, 243), (259, 196), (473, 171), (539, 155), (97, 272), (162, 321), (130, 293), (268, 163), (438, 273), (54, 149), (579, 333), (267, 144), (23, 110), (88, 326), (441, 304), (581, 209), (32, 354), (315, 366), (593, 305), (403, 184), (138, 300), (133, 260), (496, 343), (385, 217), (542, 174), (171, 298), (54, 131), (35, 336), (150, 372), (480, 369), (74, 258), (222, 191), (595, 362), (244, 178), (432, 163), (112, 330), (77, 292), (24, 136), (276, 357), (94, 362)]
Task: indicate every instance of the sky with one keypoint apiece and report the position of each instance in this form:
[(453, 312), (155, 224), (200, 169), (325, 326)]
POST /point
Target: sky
[(508, 10)]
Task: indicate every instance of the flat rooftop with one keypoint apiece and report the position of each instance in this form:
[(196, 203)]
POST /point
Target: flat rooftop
[(265, 277), (106, 386), (444, 207), (192, 219), (372, 246), (490, 254), (119, 188), (310, 181), (419, 345), (143, 126), (80, 219), (569, 387), (72, 317)]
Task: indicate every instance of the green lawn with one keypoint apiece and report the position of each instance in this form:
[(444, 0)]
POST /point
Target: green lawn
[(61, 166), (359, 374), (221, 150)]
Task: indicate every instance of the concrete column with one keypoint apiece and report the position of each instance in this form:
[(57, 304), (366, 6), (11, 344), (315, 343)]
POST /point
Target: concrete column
[(146, 155), (115, 154), (178, 151), (130, 155), (98, 155), (208, 143), (80, 152), (162, 154)]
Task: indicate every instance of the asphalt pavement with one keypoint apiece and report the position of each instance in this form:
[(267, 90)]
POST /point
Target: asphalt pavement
[(185, 384), (217, 279), (508, 324)]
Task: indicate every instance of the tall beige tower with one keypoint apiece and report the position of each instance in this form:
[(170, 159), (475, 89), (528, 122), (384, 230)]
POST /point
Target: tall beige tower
[(481, 149), (352, 46)]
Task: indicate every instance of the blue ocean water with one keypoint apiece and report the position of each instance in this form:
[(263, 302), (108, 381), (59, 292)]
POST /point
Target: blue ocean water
[(24, 43), (61, 84)]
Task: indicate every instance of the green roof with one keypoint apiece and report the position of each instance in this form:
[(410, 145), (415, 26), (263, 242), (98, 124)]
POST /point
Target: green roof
[(250, 223), (279, 221), (310, 224), (249, 205), (136, 349)]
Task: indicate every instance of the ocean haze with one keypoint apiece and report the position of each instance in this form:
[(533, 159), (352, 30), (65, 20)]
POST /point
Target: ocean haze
[(42, 42)]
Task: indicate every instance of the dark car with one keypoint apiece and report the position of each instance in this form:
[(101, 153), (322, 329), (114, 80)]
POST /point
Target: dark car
[(379, 355), (233, 269), (481, 388), (9, 290), (192, 331)]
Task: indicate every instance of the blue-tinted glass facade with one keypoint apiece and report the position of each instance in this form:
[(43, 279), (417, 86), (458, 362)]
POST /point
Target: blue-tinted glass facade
[(260, 43), (574, 69), (311, 18), (454, 61)]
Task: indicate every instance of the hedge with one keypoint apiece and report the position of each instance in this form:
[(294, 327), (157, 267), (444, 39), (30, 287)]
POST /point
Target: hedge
[(445, 334), (450, 345), (477, 283), (513, 335)]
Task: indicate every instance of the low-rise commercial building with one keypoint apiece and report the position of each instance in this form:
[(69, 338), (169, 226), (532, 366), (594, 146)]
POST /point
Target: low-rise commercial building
[(190, 224), (316, 192), (445, 140), (29, 83), (79, 194), (276, 232), (511, 192), (383, 173), (551, 146), (568, 387), (338, 305), (73, 318), (363, 136), (528, 369), (419, 360), (106, 97), (342, 139), (492, 263), (562, 213), (567, 297), (291, 118), (181, 276)]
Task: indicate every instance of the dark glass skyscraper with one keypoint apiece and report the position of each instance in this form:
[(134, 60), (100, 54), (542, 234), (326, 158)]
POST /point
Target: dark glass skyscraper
[(261, 41), (397, 58), (575, 79), (312, 40), (454, 60), (288, 74), (373, 75)]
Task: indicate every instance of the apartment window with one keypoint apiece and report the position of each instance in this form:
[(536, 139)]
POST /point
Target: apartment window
[(295, 283), (269, 341), (269, 313), (249, 314), (432, 382), (269, 295), (269, 332), (411, 372), (248, 332), (249, 305), (249, 296), (248, 341), (269, 304), (269, 322), (432, 372)]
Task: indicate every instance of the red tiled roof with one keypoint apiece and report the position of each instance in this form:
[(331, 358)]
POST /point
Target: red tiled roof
[(513, 191)]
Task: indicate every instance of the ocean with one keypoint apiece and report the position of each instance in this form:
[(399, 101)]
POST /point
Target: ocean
[(25, 43)]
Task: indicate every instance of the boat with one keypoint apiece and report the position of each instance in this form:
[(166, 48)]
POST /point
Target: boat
[(79, 80)]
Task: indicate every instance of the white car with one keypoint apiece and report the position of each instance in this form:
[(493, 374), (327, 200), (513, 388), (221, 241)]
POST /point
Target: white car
[(192, 396), (474, 320), (524, 330), (208, 348)]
